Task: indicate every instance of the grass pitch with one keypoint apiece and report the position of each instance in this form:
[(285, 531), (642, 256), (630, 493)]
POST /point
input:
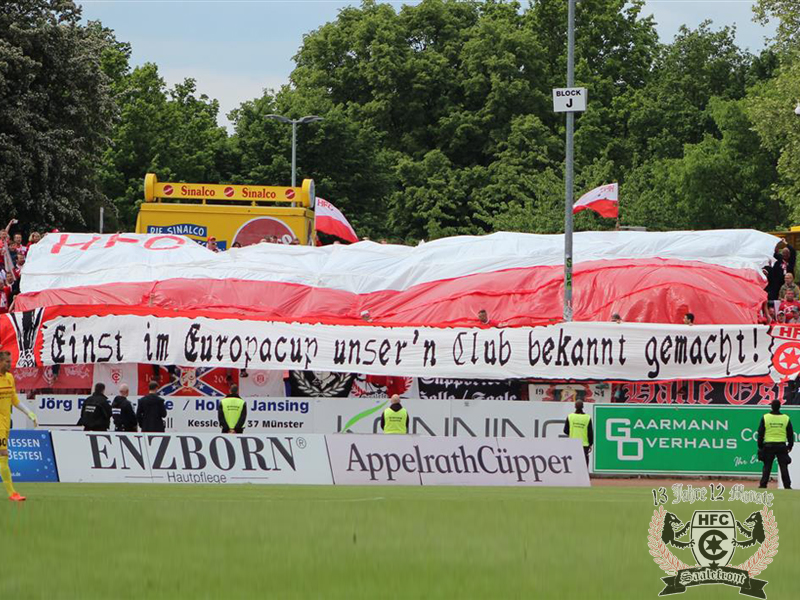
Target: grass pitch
[(157, 541)]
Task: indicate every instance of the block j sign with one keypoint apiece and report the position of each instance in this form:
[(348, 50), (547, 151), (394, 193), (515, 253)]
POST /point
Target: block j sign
[(697, 440)]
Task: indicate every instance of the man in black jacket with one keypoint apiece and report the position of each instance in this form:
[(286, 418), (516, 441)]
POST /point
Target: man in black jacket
[(122, 411), (784, 263), (151, 411), (96, 411)]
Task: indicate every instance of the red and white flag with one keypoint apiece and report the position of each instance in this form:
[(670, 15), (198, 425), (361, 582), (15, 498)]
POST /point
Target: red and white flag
[(603, 200), (515, 277), (329, 219)]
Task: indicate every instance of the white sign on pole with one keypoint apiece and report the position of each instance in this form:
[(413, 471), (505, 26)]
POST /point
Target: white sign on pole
[(569, 99)]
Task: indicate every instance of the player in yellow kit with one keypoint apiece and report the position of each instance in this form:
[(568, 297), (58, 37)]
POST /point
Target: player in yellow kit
[(8, 398)]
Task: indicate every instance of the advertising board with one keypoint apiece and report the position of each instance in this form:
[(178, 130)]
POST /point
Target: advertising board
[(189, 413), (449, 418), (416, 460), (191, 458), (30, 456), (690, 440)]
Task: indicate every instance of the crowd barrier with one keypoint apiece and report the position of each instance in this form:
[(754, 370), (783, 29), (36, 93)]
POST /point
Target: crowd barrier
[(341, 459)]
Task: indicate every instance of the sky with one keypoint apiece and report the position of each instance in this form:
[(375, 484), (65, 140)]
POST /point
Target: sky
[(237, 48)]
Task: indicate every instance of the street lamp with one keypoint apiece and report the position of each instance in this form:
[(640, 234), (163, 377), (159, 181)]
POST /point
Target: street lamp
[(569, 166), (294, 122)]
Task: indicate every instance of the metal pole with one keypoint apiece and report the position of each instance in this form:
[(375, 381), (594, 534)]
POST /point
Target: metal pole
[(569, 168), (102, 209), (294, 153)]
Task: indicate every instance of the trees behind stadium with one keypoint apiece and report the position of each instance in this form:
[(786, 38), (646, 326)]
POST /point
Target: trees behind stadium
[(440, 115)]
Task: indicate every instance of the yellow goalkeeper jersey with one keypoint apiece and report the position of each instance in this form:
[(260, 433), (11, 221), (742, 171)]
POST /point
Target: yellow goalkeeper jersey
[(8, 398)]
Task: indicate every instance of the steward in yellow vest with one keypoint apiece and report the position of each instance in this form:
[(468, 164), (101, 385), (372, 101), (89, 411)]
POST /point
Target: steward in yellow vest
[(232, 412), (579, 425), (395, 418), (775, 440)]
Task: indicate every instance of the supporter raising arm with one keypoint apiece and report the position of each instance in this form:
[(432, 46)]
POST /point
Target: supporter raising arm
[(4, 237), (8, 263)]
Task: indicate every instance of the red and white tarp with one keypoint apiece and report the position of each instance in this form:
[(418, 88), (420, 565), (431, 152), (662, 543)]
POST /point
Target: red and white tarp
[(517, 278)]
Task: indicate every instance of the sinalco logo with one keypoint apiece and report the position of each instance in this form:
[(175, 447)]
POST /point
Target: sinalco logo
[(713, 536)]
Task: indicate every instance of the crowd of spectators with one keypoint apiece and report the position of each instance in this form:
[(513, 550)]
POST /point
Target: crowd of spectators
[(211, 242), (13, 250), (783, 293)]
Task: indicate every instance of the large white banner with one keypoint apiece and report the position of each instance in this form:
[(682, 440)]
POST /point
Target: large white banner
[(190, 458), (575, 351), (412, 460)]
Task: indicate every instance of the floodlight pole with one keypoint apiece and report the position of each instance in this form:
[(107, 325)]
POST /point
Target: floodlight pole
[(568, 201), (294, 122)]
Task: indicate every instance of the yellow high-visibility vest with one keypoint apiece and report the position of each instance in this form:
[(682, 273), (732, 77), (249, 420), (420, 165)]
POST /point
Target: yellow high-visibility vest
[(775, 428), (395, 421), (232, 410), (579, 427)]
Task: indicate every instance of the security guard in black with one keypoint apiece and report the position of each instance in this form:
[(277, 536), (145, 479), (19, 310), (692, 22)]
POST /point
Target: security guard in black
[(96, 411), (151, 411), (122, 411)]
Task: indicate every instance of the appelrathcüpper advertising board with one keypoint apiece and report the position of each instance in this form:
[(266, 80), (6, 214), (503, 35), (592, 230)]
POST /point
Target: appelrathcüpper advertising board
[(413, 460), (689, 440)]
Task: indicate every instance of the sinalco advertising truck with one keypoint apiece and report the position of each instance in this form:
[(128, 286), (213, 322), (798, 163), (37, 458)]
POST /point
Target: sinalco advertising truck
[(229, 213)]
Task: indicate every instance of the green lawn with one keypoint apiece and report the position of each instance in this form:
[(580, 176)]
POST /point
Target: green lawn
[(156, 541)]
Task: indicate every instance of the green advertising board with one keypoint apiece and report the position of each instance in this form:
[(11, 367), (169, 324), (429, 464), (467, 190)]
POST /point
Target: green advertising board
[(690, 440)]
